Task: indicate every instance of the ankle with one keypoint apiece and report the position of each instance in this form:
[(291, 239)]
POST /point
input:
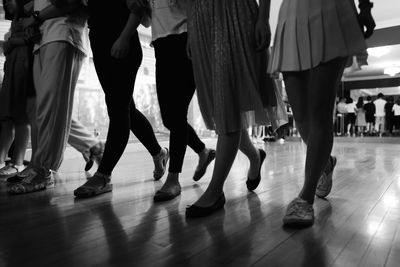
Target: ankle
[(106, 177), (173, 177), (20, 168), (308, 200), (204, 152), (160, 154)]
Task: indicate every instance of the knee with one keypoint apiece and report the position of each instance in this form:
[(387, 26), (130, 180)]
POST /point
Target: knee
[(174, 122), (117, 107)]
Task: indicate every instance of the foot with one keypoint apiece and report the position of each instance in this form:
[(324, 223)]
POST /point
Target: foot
[(254, 168), (252, 183), (96, 185), (8, 171), (205, 158), (160, 164), (170, 190), (208, 198), (324, 185), (28, 171), (34, 180), (299, 213), (195, 211)]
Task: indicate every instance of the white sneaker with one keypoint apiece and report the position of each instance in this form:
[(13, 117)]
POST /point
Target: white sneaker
[(299, 213)]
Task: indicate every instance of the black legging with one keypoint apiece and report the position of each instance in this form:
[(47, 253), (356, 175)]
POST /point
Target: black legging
[(117, 77), (175, 89)]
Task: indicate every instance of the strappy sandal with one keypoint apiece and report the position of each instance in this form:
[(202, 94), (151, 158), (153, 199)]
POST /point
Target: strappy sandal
[(86, 191)]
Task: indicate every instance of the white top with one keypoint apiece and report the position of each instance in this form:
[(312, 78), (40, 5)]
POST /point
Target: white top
[(342, 107), (351, 108), (396, 109), (72, 28), (380, 107), (167, 17)]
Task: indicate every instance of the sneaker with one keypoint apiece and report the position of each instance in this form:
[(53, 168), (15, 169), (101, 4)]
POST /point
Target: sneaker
[(324, 185), (299, 213), (35, 179), (8, 171), (160, 163)]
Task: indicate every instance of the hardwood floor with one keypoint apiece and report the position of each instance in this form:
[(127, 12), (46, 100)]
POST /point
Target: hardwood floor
[(358, 224)]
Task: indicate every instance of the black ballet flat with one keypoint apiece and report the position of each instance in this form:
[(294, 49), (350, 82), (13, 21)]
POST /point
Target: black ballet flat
[(161, 196), (253, 183), (194, 211)]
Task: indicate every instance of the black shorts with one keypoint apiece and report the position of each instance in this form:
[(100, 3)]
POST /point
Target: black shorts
[(370, 118), (351, 118)]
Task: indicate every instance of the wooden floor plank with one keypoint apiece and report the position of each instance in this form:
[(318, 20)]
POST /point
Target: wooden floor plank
[(358, 224)]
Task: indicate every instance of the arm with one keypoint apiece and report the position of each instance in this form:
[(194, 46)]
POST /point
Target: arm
[(365, 18), (51, 12), (263, 30), (121, 46)]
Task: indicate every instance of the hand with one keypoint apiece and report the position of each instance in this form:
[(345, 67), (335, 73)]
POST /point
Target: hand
[(263, 35), (366, 20), (120, 48), (29, 22)]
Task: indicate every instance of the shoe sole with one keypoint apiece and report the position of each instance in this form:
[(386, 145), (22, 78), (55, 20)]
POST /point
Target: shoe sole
[(96, 192), (166, 197), (297, 223)]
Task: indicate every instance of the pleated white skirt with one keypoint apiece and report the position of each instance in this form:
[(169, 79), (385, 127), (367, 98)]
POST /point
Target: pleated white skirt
[(310, 32)]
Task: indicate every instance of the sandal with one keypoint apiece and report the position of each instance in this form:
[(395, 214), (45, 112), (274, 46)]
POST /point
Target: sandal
[(36, 180), (86, 191), (324, 186)]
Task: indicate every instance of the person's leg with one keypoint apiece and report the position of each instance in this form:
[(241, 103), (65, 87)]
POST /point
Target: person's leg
[(22, 131), (6, 139), (172, 98), (80, 138), (31, 112), (61, 65), (321, 93), (175, 89), (143, 130), (227, 147), (117, 77), (252, 153)]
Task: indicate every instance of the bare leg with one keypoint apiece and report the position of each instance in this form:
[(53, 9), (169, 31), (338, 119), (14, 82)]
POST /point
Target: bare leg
[(251, 152), (316, 114), (6, 139), (21, 142), (227, 147)]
